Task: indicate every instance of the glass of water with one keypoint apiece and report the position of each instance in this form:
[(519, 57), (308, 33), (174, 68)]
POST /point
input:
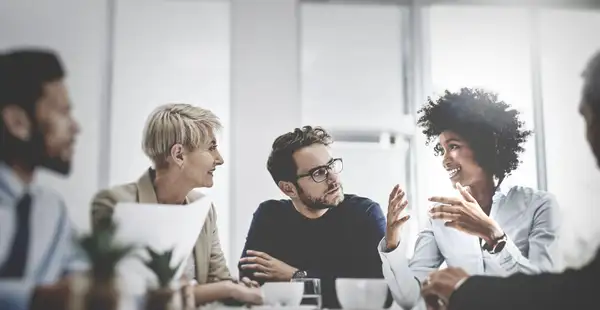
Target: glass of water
[(312, 292)]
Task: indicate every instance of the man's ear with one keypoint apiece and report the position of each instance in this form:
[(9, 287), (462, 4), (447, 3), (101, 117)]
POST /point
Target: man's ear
[(288, 189), (17, 122), (177, 154)]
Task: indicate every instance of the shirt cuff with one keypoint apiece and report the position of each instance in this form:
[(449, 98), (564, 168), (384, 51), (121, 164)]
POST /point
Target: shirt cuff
[(394, 257), (382, 247), (403, 285)]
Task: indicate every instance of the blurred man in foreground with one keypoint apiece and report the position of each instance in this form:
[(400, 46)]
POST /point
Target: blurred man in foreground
[(37, 130)]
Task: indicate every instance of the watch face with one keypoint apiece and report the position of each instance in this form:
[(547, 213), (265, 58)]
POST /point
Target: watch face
[(299, 274), (499, 246)]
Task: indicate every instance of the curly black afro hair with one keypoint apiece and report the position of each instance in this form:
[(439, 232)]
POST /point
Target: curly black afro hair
[(492, 129)]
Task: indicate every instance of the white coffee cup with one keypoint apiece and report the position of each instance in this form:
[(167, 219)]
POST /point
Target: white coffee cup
[(283, 293), (361, 293)]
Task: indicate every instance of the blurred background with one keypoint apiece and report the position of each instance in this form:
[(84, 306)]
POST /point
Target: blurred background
[(359, 68)]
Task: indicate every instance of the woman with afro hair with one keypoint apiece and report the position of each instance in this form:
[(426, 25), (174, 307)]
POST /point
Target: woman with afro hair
[(482, 229)]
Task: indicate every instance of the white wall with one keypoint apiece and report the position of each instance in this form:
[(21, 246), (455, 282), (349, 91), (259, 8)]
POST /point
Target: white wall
[(352, 84), (169, 51), (264, 101), (352, 71), (487, 47), (77, 30)]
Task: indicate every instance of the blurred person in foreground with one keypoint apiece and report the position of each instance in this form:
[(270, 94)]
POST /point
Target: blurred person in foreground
[(454, 288), (37, 249)]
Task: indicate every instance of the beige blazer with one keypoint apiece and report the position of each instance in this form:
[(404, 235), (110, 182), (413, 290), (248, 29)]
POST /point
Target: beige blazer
[(209, 259)]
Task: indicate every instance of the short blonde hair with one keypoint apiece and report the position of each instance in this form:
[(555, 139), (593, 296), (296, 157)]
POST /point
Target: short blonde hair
[(177, 123)]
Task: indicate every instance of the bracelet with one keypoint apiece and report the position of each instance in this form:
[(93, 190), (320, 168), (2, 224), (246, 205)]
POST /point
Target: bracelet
[(459, 283)]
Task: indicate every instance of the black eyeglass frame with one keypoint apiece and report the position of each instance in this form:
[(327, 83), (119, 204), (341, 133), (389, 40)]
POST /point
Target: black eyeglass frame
[(329, 168)]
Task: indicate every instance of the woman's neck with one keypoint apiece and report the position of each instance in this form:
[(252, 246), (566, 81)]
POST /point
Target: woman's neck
[(169, 187), (483, 192)]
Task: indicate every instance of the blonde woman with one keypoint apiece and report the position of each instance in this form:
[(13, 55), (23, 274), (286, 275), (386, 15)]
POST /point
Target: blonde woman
[(180, 141)]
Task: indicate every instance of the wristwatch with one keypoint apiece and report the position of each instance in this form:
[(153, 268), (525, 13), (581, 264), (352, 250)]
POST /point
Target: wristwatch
[(299, 274), (496, 247)]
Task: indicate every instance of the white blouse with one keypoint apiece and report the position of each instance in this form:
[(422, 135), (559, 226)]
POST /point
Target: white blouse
[(530, 219)]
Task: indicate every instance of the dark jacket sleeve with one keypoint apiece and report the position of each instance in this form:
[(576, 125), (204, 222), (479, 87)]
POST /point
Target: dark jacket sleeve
[(377, 224), (365, 260), (256, 239), (572, 289), (376, 231)]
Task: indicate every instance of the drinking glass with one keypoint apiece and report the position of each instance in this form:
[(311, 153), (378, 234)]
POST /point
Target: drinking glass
[(312, 292)]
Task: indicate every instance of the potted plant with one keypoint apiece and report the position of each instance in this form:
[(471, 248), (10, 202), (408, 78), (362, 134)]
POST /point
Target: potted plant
[(165, 296), (104, 255)]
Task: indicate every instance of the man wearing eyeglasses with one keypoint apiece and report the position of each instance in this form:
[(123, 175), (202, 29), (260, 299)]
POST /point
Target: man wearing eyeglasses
[(319, 232)]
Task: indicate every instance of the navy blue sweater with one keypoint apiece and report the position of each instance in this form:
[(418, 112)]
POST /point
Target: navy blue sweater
[(340, 244)]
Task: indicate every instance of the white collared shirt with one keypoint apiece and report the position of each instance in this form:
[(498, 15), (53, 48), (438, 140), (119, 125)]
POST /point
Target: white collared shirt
[(530, 219), (51, 253)]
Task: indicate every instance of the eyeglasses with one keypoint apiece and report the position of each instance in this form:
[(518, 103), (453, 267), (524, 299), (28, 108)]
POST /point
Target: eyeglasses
[(320, 173)]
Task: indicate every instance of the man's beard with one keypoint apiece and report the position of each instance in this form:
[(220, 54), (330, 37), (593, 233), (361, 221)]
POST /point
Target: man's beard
[(56, 164), (593, 138), (318, 203), (33, 153), (596, 151)]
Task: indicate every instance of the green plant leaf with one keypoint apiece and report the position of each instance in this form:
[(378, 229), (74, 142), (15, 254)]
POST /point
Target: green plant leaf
[(102, 251), (160, 264)]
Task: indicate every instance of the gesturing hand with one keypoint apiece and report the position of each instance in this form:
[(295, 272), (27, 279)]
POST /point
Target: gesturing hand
[(396, 204), (267, 267), (466, 215)]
